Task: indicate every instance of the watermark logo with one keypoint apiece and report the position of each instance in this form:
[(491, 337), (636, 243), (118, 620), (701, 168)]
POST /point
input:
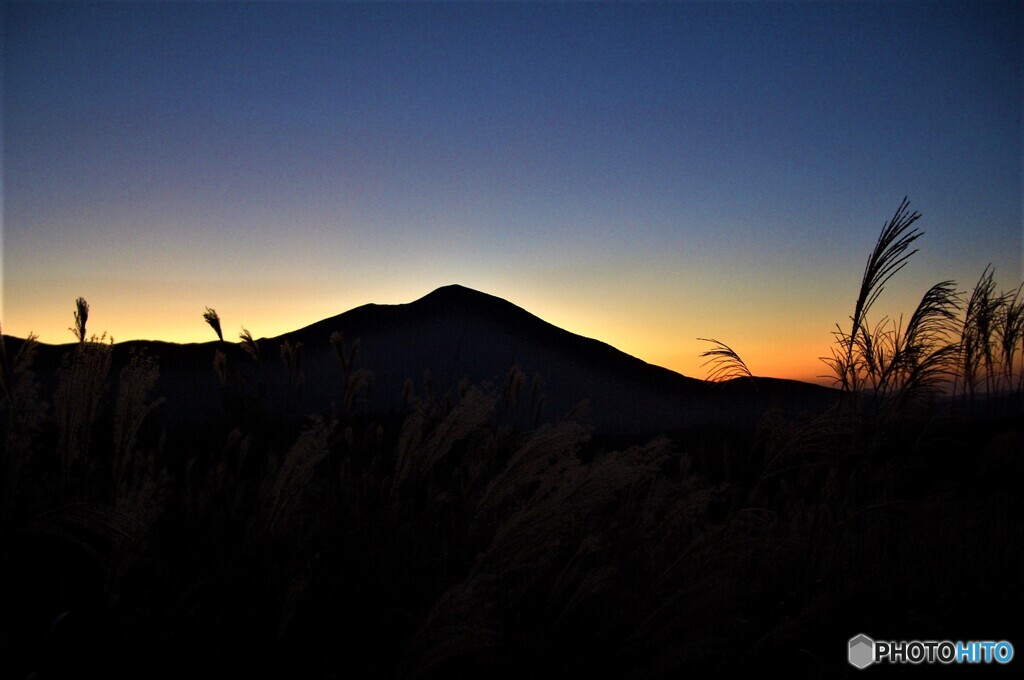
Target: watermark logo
[(863, 651)]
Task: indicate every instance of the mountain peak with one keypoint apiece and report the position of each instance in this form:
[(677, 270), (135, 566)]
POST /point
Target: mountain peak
[(460, 297), (455, 291)]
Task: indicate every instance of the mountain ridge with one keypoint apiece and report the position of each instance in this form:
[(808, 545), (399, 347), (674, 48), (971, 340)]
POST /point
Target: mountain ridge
[(455, 335), (452, 299)]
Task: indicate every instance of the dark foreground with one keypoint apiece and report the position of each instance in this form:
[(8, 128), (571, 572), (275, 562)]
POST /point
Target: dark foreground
[(460, 536)]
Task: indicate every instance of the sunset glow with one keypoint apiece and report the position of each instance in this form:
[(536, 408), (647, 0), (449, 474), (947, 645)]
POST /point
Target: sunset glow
[(641, 174)]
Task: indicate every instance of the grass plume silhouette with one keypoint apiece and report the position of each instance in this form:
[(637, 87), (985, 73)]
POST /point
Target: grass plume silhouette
[(726, 364), (213, 319), (461, 540)]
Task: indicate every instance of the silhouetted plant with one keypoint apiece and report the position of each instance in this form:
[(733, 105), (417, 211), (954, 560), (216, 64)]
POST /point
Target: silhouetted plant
[(133, 405), (977, 341), (353, 381), (21, 417), (291, 354), (459, 543), (916, 361), (887, 258), (925, 354), (726, 364), (78, 402), (1010, 327), (18, 383), (211, 317), (420, 447), (297, 468), (81, 318), (936, 349), (250, 345), (991, 336)]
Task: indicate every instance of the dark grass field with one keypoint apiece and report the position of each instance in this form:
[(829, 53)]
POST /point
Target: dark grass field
[(441, 539), (258, 510)]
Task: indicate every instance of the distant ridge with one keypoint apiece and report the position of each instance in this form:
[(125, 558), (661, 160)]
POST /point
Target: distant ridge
[(455, 296), (456, 335), (457, 302)]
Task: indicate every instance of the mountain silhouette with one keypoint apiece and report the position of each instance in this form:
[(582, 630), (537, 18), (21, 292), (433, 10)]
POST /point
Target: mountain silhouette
[(457, 336)]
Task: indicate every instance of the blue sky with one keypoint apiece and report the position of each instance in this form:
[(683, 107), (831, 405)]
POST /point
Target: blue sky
[(640, 173)]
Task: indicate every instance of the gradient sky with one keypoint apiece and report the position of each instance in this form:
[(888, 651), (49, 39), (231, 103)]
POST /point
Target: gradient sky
[(644, 174)]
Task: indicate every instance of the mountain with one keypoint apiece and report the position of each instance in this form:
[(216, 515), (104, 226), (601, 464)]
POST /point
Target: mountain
[(456, 335)]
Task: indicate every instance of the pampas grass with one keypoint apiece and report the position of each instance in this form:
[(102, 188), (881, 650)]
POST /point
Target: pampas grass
[(132, 478), (991, 336), (1010, 329), (420, 450), (976, 344), (17, 381), (726, 364), (354, 381), (211, 317), (946, 345), (887, 258), (458, 533), (81, 391), (900, 363), (297, 468), (22, 413), (251, 346), (81, 318), (923, 359), (854, 360)]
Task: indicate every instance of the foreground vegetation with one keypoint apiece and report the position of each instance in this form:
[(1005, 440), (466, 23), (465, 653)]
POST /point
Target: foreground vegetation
[(447, 538)]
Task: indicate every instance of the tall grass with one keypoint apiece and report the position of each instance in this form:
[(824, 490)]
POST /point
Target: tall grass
[(134, 473), (354, 381), (855, 360), (297, 468), (946, 345), (448, 536), (17, 380), (211, 317), (1010, 329), (78, 403), (934, 352), (901, 363), (22, 413), (725, 363), (251, 346), (976, 346), (81, 318)]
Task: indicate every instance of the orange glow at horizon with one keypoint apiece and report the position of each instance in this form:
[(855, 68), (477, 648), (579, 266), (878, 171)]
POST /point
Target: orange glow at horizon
[(147, 312), (283, 165)]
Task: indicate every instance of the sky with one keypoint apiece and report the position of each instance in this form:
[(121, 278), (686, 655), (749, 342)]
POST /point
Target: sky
[(643, 174)]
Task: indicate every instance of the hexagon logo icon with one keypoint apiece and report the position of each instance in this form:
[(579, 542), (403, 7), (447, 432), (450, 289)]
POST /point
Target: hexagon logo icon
[(862, 651)]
